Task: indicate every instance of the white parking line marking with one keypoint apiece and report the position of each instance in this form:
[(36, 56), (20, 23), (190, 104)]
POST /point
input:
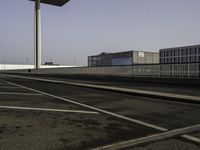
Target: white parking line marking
[(151, 138), (95, 109), (14, 93), (51, 110), (191, 138)]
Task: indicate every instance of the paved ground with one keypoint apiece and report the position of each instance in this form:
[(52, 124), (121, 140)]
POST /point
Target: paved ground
[(43, 115), (196, 134), (169, 144), (186, 89)]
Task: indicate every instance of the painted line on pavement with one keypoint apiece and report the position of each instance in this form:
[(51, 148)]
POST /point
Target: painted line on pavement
[(151, 138), (50, 110), (95, 109), (191, 138)]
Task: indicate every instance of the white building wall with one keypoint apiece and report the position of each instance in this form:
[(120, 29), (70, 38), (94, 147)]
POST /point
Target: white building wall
[(22, 66)]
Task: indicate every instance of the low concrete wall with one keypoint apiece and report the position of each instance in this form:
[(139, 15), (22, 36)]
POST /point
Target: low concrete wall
[(142, 73), (190, 71)]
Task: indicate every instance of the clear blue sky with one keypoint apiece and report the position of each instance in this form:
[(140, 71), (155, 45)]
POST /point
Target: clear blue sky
[(87, 27)]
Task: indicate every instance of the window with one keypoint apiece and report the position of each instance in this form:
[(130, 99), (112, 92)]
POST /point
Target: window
[(168, 53), (161, 60), (171, 59), (187, 52), (195, 51), (190, 51), (168, 60), (175, 60), (182, 51), (173, 51), (161, 54), (195, 58), (192, 59), (183, 59), (164, 53), (178, 52)]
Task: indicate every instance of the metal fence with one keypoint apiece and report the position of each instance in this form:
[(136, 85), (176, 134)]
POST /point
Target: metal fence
[(188, 70)]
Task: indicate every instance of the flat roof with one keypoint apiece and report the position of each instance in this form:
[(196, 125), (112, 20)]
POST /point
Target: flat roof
[(179, 47), (54, 2)]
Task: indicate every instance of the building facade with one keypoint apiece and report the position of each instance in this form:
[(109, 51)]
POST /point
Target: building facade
[(185, 54), (123, 58)]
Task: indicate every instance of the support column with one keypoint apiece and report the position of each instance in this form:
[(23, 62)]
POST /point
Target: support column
[(37, 59)]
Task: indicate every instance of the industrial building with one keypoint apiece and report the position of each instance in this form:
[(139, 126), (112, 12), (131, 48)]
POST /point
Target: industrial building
[(123, 58), (177, 55)]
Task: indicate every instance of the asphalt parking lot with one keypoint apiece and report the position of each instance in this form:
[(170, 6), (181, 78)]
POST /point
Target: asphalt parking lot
[(44, 115), (184, 89)]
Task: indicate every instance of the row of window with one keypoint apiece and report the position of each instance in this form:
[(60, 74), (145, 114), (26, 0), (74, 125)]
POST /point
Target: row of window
[(179, 52), (180, 59), (99, 62)]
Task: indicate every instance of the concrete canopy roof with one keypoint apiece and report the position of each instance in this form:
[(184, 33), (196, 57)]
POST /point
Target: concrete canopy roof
[(54, 2)]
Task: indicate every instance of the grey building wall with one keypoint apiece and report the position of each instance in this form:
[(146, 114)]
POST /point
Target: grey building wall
[(185, 54), (141, 57), (103, 59), (123, 58)]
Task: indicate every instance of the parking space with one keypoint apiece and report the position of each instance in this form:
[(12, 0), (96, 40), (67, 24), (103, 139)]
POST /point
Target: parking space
[(59, 116), (160, 112), (48, 130), (26, 98), (21, 128), (35, 101), (169, 144), (15, 90)]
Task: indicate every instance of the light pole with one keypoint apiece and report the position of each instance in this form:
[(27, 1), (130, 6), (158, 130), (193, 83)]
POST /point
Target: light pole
[(37, 51), (38, 41)]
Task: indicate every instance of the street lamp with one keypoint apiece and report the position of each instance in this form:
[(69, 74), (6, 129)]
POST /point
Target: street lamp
[(37, 57)]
